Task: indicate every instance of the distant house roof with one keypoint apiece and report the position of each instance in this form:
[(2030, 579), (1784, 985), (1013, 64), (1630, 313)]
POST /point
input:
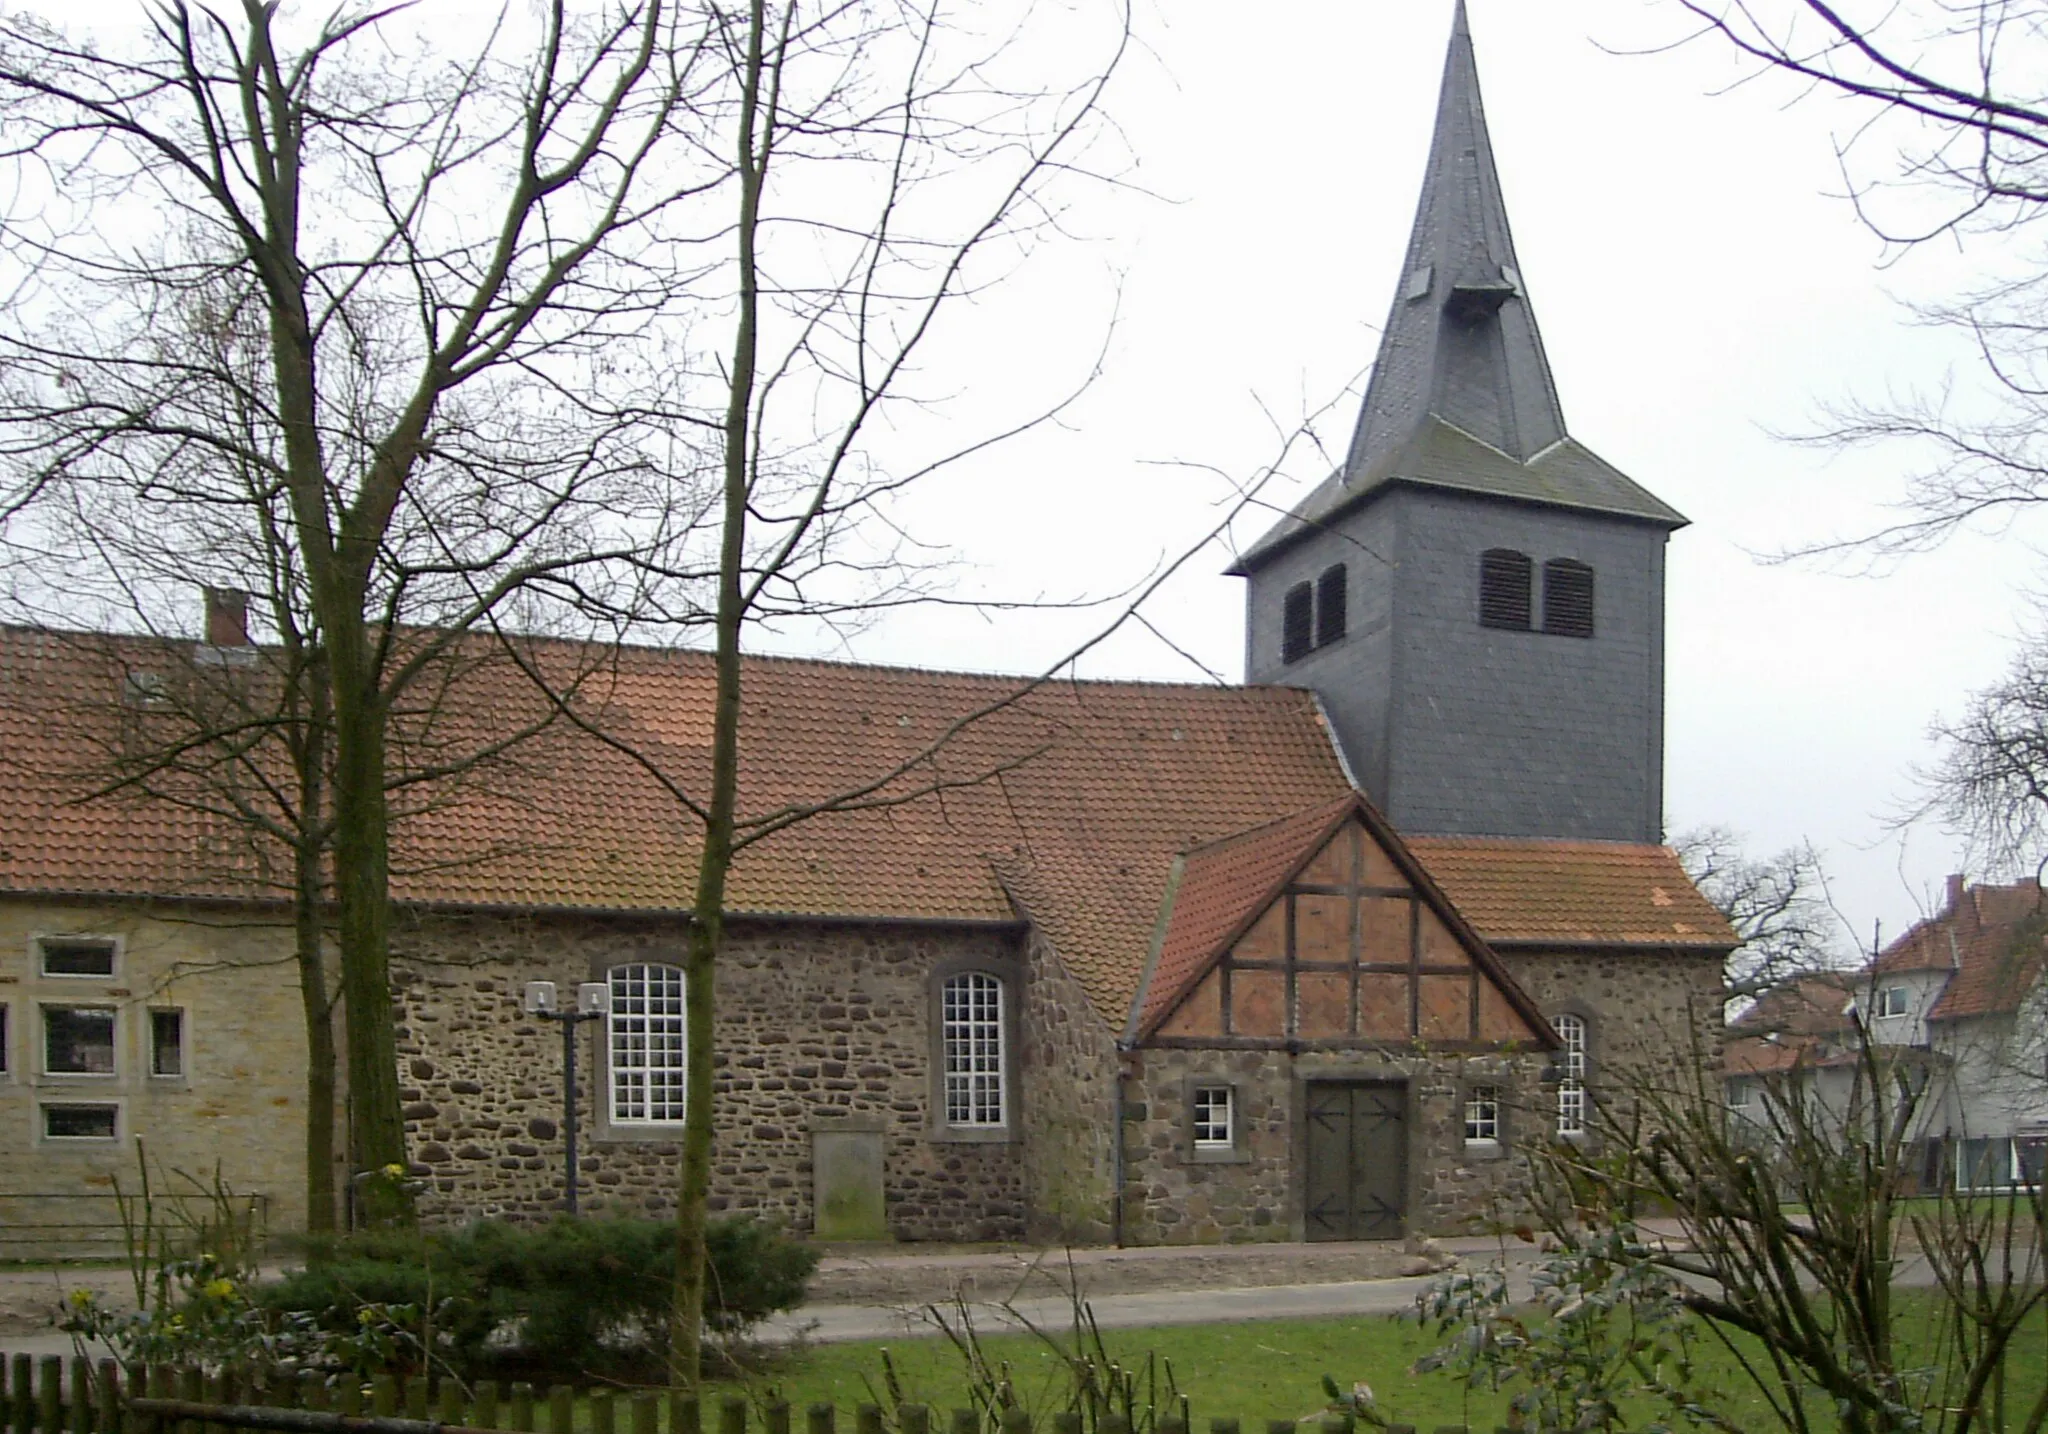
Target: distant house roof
[(1068, 801), (1799, 1021), (1537, 892), (1989, 937)]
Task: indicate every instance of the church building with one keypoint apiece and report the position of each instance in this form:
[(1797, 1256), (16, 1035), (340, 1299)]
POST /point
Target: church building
[(1323, 956)]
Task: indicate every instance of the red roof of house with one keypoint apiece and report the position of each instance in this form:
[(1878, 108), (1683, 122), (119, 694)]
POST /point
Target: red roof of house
[(1990, 937), (1531, 892), (1791, 1023), (1070, 799)]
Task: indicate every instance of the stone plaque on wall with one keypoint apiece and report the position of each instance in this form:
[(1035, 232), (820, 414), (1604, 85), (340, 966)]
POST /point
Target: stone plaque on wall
[(846, 1162)]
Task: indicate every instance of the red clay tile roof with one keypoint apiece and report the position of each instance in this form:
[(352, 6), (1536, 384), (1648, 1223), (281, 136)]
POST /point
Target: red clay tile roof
[(1078, 793), (1790, 1023), (1223, 888), (1071, 801), (1992, 938), (1530, 892)]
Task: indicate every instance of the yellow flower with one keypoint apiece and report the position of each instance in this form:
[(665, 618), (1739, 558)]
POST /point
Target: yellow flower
[(219, 1289), (81, 1299)]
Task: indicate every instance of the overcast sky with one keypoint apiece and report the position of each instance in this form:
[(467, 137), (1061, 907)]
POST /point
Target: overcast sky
[(1701, 285)]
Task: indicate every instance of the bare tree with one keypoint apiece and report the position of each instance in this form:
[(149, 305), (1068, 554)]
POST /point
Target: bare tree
[(448, 273), (1989, 778), (1778, 905)]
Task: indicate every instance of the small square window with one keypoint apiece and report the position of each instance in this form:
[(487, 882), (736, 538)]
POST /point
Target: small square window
[(1738, 1094), (78, 1040), (1482, 1115), (66, 957), (1891, 1002), (80, 1122), (1215, 1123), (167, 1043)]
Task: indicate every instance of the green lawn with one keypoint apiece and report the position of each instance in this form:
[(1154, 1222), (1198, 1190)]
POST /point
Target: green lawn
[(1265, 1370)]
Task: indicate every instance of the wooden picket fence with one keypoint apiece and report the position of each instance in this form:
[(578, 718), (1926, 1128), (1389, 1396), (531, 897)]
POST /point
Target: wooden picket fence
[(54, 1395)]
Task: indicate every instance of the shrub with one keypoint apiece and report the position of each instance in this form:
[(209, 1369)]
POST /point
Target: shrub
[(575, 1294)]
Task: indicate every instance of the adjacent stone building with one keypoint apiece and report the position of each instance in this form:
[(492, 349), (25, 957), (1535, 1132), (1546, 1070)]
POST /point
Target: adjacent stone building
[(1318, 957)]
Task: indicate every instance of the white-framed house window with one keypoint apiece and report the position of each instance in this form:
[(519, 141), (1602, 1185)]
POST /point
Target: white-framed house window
[(645, 1044), (65, 1122), (1215, 1115), (167, 1041), (1571, 1085), (90, 958), (1482, 1115), (971, 1040), (1891, 1002), (79, 1041)]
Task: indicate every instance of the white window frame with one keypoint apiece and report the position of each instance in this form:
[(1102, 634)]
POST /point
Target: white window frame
[(43, 1009), (184, 1043), (43, 942), (1211, 1133), (974, 1051), (43, 1136), (1739, 1095), (1571, 1084), (1887, 1008), (1482, 1115), (646, 1046)]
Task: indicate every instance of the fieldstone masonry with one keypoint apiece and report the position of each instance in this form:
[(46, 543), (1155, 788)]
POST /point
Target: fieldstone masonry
[(817, 1022)]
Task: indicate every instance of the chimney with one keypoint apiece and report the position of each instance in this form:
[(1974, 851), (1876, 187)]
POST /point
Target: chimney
[(1955, 893), (227, 617)]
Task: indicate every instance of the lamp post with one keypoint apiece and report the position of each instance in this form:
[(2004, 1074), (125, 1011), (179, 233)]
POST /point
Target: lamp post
[(593, 999)]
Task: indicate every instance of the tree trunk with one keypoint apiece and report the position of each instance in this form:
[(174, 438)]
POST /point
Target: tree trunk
[(361, 880), (707, 929), (310, 930)]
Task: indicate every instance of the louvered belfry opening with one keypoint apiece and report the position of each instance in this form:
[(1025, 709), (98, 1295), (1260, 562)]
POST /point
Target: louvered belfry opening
[(1567, 598), (1298, 623), (1505, 578), (1330, 606)]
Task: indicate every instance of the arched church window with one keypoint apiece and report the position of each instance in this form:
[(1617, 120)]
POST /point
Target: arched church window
[(1330, 605), (1505, 578), (646, 1046), (1567, 598), (1298, 623)]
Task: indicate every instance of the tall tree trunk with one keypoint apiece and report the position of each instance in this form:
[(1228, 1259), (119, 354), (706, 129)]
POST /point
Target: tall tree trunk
[(361, 888), (707, 928), (310, 930)]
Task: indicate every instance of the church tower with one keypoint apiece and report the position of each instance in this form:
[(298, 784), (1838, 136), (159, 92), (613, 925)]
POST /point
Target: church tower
[(1477, 598)]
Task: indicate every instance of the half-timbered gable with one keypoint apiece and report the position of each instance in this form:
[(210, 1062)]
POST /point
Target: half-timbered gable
[(1322, 929)]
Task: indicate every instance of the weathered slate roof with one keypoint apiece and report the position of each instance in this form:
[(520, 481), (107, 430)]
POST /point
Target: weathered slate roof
[(1461, 393)]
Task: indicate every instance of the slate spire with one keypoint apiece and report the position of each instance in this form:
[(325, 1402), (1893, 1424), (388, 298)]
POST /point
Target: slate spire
[(1461, 342)]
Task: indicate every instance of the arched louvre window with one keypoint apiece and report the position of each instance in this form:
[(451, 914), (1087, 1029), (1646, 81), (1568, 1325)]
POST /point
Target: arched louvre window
[(1330, 605), (646, 1044), (971, 1031), (1571, 1086), (1505, 579), (1298, 623), (1567, 598)]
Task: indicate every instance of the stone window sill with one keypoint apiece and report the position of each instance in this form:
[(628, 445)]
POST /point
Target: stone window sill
[(1478, 1150), (972, 1135), (1219, 1155)]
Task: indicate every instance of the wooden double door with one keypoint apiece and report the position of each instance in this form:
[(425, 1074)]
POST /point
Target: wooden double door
[(1357, 1160)]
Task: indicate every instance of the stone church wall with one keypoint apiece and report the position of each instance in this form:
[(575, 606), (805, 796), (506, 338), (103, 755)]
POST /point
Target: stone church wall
[(1176, 1197), (1646, 1012), (819, 1023), (1069, 1092)]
